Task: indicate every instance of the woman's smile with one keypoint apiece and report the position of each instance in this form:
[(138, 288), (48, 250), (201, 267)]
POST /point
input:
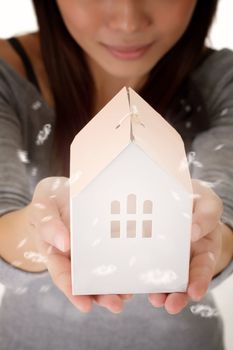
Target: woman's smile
[(128, 52)]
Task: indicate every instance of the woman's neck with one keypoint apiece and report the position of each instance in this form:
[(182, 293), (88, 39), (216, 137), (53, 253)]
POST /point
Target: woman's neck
[(107, 86)]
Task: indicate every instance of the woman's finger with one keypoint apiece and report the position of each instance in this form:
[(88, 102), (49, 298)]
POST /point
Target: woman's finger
[(46, 222), (175, 302), (55, 233), (60, 270), (112, 302), (207, 210), (157, 299), (203, 265)]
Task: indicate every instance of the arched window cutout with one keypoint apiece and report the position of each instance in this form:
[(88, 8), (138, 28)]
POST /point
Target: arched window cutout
[(147, 228), (131, 229), (131, 204), (115, 207), (147, 207), (115, 229)]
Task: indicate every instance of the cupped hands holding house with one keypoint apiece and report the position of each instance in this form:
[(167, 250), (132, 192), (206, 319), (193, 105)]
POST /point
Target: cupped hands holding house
[(206, 249), (49, 221)]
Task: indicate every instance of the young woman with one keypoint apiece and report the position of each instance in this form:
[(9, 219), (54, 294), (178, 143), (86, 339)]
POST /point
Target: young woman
[(51, 84)]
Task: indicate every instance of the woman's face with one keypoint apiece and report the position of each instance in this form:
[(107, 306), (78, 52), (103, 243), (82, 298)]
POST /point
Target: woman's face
[(126, 38)]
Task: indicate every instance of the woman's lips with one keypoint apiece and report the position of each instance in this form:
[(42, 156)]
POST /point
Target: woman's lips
[(128, 53)]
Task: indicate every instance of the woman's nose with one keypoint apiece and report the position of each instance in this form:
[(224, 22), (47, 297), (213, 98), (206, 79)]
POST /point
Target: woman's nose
[(128, 16)]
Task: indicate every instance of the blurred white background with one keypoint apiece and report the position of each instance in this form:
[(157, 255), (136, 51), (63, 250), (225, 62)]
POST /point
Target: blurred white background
[(17, 17)]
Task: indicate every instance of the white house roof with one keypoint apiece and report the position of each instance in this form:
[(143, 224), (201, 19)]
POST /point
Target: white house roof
[(126, 118)]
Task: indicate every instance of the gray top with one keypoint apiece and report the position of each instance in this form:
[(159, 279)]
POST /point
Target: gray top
[(34, 313)]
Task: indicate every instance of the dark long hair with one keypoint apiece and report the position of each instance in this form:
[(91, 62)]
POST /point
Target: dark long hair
[(73, 87)]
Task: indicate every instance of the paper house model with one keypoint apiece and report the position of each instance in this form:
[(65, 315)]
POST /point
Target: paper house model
[(131, 202)]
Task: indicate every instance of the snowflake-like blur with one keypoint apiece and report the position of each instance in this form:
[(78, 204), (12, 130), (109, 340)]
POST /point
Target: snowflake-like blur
[(175, 195), (34, 171), (224, 112), (95, 221), (20, 290), (56, 184), (188, 124), (23, 156), (47, 218), (210, 184), (104, 270), (96, 242), (158, 276), (217, 148), (74, 178), (43, 134), (39, 205), (202, 310), (36, 105), (22, 243), (35, 257), (44, 288)]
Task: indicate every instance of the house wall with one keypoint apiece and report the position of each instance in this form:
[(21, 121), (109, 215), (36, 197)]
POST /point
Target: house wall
[(135, 263)]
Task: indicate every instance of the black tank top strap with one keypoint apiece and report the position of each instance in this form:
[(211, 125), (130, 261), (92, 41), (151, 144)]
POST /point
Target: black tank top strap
[(15, 43)]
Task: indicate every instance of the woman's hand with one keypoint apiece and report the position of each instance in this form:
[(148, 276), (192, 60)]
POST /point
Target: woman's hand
[(205, 249), (49, 221)]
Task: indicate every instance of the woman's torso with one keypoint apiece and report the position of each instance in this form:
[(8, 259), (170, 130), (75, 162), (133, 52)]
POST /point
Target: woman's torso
[(37, 315)]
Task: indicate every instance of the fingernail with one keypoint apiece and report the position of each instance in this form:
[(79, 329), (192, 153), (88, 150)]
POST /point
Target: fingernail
[(211, 256), (196, 232), (59, 243), (116, 310)]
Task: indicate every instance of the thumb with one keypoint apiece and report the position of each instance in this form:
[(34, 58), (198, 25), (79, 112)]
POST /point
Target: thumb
[(46, 218), (207, 211)]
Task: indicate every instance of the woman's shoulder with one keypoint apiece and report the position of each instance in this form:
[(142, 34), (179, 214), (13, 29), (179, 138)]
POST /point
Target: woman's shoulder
[(9, 56), (217, 66), (30, 44), (214, 80), (13, 68), (13, 77)]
